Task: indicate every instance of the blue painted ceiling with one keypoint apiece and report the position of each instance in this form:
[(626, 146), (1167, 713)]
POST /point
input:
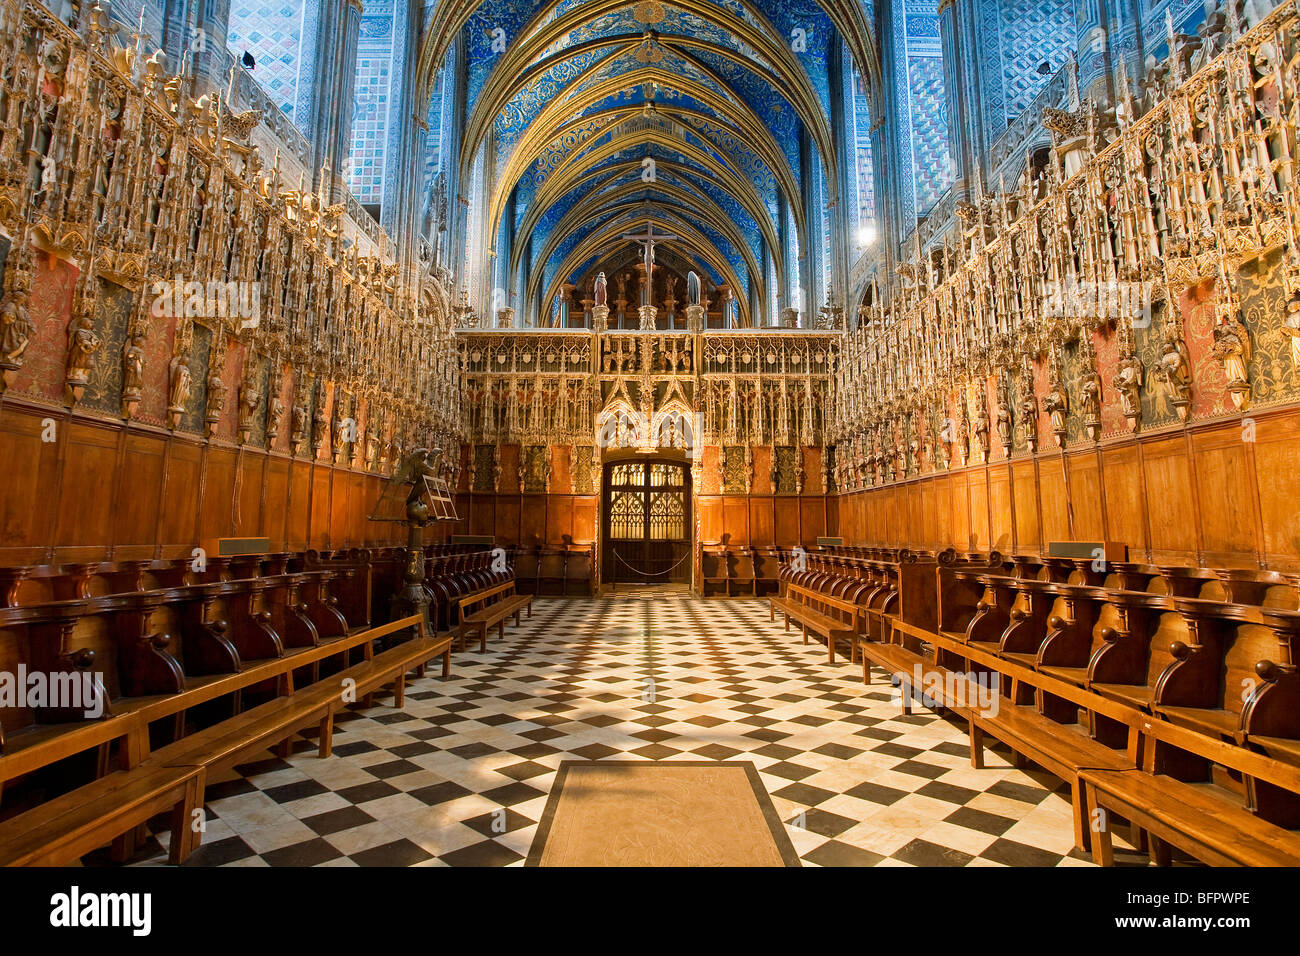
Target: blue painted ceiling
[(650, 67)]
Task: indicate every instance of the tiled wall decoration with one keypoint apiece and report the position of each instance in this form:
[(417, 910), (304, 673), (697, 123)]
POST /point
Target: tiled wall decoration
[(369, 120), (931, 161), (1032, 32), (271, 31)]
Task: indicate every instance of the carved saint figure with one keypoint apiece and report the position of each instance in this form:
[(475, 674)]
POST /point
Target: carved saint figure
[(133, 367), (274, 417), (180, 383), (1057, 404), (601, 292), (692, 288), (1128, 383), (83, 343), (1232, 347), (298, 421), (1175, 372), (1090, 389), (16, 328), (1004, 423)]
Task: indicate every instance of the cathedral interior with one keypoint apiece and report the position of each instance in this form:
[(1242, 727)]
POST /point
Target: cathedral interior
[(503, 363)]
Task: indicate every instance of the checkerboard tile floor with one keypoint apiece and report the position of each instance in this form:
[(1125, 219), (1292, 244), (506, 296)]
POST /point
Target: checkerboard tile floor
[(460, 775)]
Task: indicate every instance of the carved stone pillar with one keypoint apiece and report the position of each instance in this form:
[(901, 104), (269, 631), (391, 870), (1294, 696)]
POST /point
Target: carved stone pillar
[(505, 318), (695, 318), (789, 318), (599, 317), (647, 313)]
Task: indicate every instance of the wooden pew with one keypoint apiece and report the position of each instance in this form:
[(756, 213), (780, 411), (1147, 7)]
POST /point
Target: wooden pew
[(488, 607), (824, 615), (61, 831)]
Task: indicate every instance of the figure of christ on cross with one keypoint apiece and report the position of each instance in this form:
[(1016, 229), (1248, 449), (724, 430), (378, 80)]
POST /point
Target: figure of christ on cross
[(647, 242)]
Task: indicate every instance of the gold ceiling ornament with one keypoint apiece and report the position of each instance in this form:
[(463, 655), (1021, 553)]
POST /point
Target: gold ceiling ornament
[(648, 11), (649, 52)]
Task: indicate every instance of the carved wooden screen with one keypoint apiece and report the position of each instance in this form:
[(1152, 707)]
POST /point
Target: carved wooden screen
[(647, 531)]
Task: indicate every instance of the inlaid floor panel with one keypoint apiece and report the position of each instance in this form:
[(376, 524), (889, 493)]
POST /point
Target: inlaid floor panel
[(460, 776)]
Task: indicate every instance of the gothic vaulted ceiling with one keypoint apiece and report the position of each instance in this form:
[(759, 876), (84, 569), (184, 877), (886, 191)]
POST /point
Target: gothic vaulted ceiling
[(705, 118)]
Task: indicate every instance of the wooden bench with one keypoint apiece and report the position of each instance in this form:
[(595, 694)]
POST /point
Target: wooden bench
[(1189, 816), (494, 605), (116, 806), (61, 831), (829, 617), (1055, 747)]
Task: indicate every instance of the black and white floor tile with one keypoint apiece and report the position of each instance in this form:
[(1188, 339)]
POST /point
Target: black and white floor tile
[(460, 775)]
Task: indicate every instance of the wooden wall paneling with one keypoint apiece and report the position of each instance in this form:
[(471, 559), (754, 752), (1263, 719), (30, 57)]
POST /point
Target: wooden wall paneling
[(482, 514), (300, 499), (27, 513), (275, 516), (85, 514), (179, 514), (961, 521), (506, 520), (912, 510), (735, 517), (584, 518), (318, 533), (1277, 471), (1001, 519), (135, 506), (1085, 497), (1024, 504), (978, 498), (1224, 484), (532, 519), (928, 493), (559, 518), (1054, 498), (1125, 492), (785, 527), (709, 509), (217, 517), (762, 520), (252, 466), (813, 525)]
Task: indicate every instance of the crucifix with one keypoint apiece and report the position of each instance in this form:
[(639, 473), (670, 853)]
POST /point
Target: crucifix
[(647, 241)]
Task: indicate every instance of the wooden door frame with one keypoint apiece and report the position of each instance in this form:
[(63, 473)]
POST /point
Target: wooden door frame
[(613, 458)]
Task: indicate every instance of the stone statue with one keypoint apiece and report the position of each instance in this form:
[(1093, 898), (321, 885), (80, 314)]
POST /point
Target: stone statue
[(692, 288), (274, 417), (1128, 384), (16, 328), (1004, 422), (601, 292), (83, 343), (180, 384), (1232, 347), (1057, 404), (250, 397), (298, 421), (133, 367)]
